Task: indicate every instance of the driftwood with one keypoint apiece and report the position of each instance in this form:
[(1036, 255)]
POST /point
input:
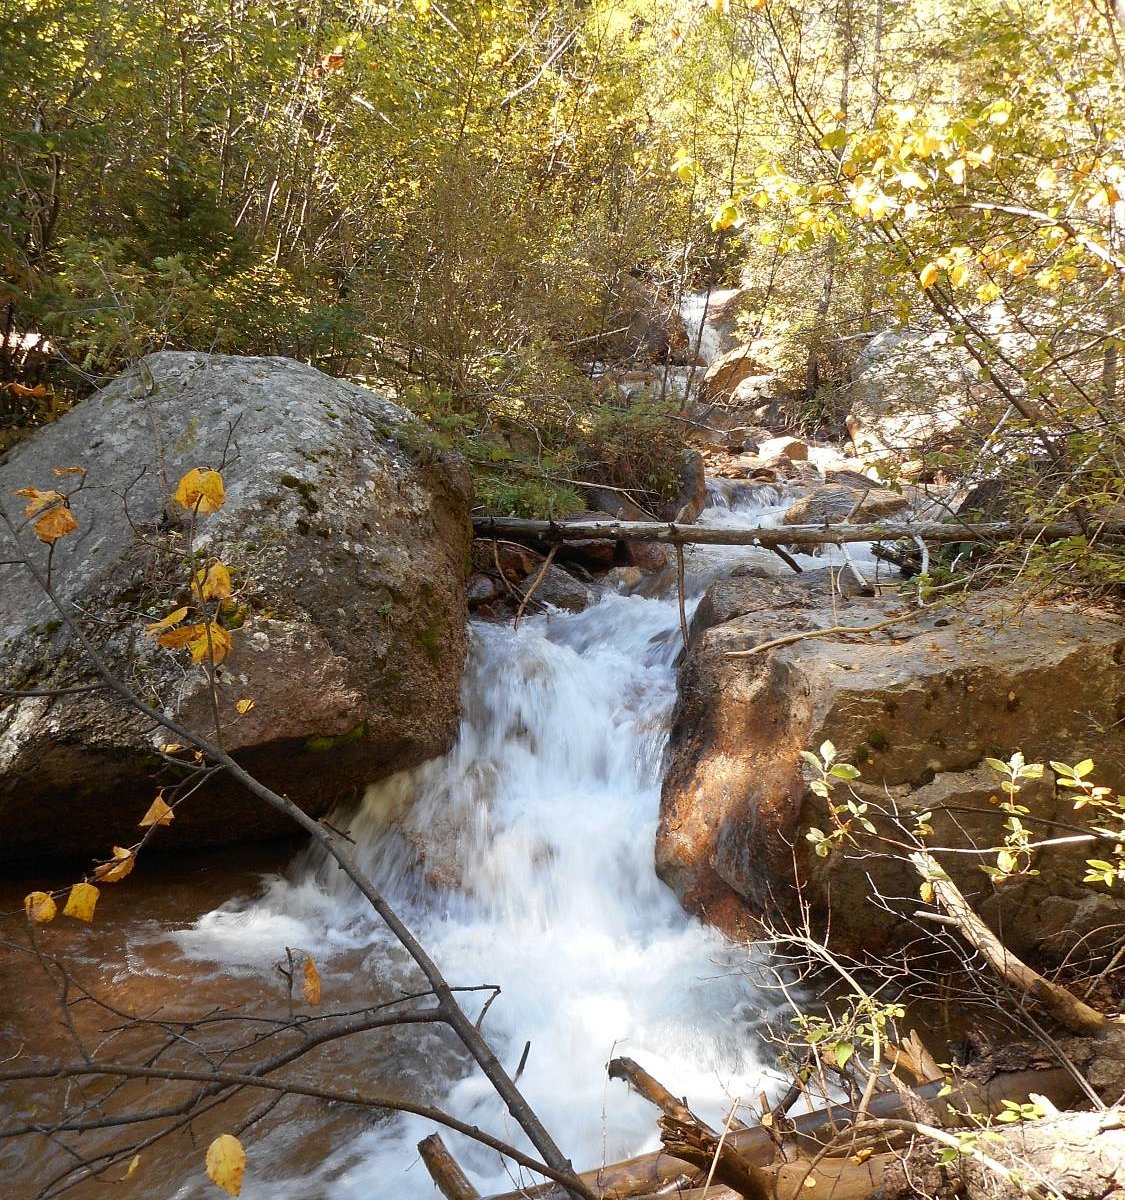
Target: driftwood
[(520, 530), (653, 1090), (445, 1171), (649, 1174), (1065, 1007), (715, 1156)]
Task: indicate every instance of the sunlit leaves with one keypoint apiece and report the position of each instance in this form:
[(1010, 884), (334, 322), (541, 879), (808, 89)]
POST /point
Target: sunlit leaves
[(118, 867), (213, 583), (158, 813), (81, 902), (226, 1163), (928, 275), (173, 618), (201, 490), (40, 907), (53, 518), (204, 639)]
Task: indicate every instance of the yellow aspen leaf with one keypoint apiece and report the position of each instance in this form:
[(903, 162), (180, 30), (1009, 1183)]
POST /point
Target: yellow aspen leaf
[(171, 747), (226, 1163), (61, 471), (131, 1170), (173, 618), (987, 292), (1046, 179), (214, 582), (158, 813), (81, 902), (120, 865), (40, 907), (958, 273), (244, 706), (201, 490), (758, 4), (861, 1156), (174, 639), (311, 985), (720, 6), (956, 171), (37, 501), (911, 181), (211, 641), (926, 891), (927, 277), (55, 523)]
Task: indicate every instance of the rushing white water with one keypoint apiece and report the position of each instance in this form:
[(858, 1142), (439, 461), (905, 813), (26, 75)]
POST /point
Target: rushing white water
[(524, 858)]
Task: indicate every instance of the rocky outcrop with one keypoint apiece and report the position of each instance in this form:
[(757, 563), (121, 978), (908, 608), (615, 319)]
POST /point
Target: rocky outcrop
[(729, 370), (918, 707), (839, 502), (348, 539)]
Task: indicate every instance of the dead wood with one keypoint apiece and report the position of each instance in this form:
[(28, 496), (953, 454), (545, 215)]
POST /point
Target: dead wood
[(650, 1173), (695, 1143), (521, 530), (653, 1090), (1065, 1007), (444, 1170)]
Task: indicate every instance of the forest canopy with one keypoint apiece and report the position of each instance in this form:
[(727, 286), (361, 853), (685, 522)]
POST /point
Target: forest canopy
[(477, 201)]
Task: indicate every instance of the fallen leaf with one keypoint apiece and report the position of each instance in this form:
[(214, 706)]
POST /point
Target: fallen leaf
[(159, 813), (134, 1163), (81, 901), (226, 1163), (201, 490), (39, 392), (312, 981), (61, 471), (170, 747), (40, 907), (244, 706), (212, 641)]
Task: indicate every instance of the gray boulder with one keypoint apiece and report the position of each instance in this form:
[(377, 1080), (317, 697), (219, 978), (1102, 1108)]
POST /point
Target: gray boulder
[(348, 541)]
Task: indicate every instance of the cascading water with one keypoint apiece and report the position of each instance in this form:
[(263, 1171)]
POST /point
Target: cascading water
[(524, 858)]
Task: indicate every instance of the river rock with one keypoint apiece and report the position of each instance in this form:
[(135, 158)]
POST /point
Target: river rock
[(348, 540), (784, 447), (691, 493), (917, 707), (727, 371), (837, 502), (560, 589)]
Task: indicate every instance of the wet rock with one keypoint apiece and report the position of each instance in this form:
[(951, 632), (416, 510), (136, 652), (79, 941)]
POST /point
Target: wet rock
[(560, 589), (649, 557), (348, 539), (480, 590), (691, 495), (918, 708), (836, 502)]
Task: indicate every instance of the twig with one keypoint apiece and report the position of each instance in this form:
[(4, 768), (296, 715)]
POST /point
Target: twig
[(831, 631)]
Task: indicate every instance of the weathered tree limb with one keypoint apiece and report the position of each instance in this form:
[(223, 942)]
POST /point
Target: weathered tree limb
[(831, 631), (650, 1173), (444, 1170), (695, 1143), (653, 1090), (1066, 1008), (518, 529)]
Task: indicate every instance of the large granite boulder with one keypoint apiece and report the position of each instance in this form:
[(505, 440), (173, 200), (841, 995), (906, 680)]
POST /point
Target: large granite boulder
[(917, 707), (348, 540)]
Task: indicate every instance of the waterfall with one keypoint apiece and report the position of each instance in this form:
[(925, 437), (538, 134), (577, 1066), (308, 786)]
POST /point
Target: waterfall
[(523, 858)]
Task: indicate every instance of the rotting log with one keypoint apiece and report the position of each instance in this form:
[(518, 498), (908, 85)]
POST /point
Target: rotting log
[(650, 1173), (716, 1156), (518, 529)]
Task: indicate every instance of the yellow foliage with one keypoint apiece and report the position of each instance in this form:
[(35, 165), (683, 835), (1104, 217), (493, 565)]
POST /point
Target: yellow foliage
[(201, 490), (226, 1163), (311, 985), (158, 813), (213, 583), (40, 907), (244, 706), (120, 865), (81, 902), (927, 277), (37, 500), (173, 618), (55, 523)]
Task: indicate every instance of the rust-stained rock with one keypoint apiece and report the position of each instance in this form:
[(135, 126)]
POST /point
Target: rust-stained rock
[(918, 707), (727, 372), (348, 540)]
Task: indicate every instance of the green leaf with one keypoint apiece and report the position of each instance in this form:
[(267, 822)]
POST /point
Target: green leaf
[(1084, 768), (844, 771), (998, 766), (843, 1051)]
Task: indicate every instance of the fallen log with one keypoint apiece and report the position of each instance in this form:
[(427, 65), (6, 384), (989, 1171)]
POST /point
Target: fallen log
[(519, 529), (650, 1173), (653, 1090)]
